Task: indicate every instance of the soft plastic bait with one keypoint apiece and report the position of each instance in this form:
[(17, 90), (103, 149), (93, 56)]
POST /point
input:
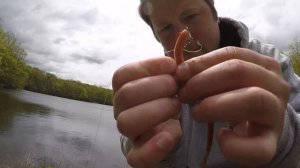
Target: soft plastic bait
[(181, 41)]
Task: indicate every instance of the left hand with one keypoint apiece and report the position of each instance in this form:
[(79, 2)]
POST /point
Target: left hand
[(241, 87)]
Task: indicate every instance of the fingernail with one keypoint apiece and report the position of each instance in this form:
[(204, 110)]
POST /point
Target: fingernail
[(183, 67), (162, 143), (182, 71)]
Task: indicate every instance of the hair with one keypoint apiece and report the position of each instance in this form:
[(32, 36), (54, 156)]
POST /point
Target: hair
[(146, 17)]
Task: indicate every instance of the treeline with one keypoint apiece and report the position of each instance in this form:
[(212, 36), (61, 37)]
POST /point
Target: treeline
[(47, 83), (16, 74), (294, 52)]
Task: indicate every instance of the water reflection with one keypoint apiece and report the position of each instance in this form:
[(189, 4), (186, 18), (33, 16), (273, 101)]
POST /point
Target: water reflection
[(37, 129), (10, 106)]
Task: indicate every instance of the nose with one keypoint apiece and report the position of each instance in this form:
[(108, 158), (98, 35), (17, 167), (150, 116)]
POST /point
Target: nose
[(180, 27), (177, 28)]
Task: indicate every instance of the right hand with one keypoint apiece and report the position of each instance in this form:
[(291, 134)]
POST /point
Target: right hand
[(146, 109)]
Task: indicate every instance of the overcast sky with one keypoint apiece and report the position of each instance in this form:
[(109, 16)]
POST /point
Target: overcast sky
[(87, 40)]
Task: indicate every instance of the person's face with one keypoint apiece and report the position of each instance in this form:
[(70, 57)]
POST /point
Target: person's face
[(169, 17)]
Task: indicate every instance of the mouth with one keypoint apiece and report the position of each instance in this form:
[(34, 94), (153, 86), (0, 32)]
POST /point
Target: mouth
[(193, 46)]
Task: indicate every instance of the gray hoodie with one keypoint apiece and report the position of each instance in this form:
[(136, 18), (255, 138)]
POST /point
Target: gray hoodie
[(191, 148)]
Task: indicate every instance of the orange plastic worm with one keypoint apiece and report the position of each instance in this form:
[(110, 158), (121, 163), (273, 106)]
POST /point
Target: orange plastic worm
[(178, 56), (182, 39)]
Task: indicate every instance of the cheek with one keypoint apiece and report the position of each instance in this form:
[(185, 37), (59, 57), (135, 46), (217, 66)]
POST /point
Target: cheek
[(168, 43), (167, 39), (209, 37), (215, 39)]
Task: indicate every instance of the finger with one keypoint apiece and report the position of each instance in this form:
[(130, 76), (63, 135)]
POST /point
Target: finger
[(135, 121), (249, 151), (196, 65), (136, 70), (171, 126), (248, 104), (151, 153), (143, 90), (229, 75)]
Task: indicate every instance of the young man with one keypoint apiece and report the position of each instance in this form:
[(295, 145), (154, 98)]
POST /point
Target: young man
[(249, 91)]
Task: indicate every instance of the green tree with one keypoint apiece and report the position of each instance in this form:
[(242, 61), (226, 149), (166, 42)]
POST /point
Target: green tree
[(12, 66), (294, 52), (36, 81), (12, 74), (15, 74)]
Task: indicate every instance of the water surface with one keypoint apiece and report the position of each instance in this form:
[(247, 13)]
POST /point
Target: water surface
[(37, 129)]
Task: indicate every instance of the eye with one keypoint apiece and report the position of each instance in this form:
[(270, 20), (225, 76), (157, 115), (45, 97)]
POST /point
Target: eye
[(166, 28), (191, 17)]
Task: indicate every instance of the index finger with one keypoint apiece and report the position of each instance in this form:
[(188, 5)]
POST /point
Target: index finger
[(196, 65), (141, 69)]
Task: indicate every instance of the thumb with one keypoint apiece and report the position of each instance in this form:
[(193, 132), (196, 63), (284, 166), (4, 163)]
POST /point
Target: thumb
[(152, 152), (248, 151)]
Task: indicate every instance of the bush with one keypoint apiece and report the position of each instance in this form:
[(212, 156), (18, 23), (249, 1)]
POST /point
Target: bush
[(294, 52)]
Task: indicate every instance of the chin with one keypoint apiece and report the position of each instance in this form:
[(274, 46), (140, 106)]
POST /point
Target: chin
[(188, 56)]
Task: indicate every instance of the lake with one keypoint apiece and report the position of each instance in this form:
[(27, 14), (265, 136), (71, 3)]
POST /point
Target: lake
[(38, 130)]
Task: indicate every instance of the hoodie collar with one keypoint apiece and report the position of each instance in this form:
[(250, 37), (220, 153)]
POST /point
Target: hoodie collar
[(233, 33)]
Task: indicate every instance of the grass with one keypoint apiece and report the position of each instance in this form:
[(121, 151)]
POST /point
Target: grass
[(31, 163), (40, 163)]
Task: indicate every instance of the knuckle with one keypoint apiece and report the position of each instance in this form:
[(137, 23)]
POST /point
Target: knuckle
[(143, 90), (122, 99), (171, 107), (231, 51), (165, 108), (170, 80), (169, 85), (286, 89), (131, 160), (116, 82), (266, 154), (259, 97), (124, 95), (196, 65), (265, 104), (138, 159), (118, 104), (122, 125), (236, 69), (116, 111), (274, 63)]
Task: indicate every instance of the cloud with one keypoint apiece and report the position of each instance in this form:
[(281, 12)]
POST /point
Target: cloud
[(59, 40), (88, 40), (272, 21), (88, 59)]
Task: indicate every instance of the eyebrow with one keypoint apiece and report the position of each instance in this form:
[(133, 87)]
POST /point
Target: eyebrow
[(188, 11), (160, 24)]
